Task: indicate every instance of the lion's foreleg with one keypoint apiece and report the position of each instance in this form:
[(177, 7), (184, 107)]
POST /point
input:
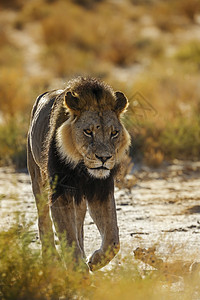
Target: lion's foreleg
[(64, 217), (44, 225), (45, 231), (104, 216), (41, 198), (80, 210)]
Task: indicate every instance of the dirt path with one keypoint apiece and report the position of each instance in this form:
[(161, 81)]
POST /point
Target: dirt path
[(162, 209)]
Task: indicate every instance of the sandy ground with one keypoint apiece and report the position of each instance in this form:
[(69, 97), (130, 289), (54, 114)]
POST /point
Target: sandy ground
[(162, 209)]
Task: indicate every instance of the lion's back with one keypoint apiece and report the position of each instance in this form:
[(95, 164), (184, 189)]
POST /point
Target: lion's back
[(40, 122)]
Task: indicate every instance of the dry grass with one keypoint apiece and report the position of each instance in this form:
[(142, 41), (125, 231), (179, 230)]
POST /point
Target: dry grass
[(14, 92), (189, 9), (163, 116), (72, 47), (14, 4), (24, 276)]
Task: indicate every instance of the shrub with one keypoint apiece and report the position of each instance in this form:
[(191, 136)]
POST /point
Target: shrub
[(14, 91), (189, 53), (22, 273), (181, 139), (189, 9), (16, 4), (13, 133)]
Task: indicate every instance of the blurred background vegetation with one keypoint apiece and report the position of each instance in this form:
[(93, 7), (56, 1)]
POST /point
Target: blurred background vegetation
[(149, 49)]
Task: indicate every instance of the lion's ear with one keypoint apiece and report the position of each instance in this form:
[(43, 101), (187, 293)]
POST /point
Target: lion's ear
[(72, 102), (121, 102)]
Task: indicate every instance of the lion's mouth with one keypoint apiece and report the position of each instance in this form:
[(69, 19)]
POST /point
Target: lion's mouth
[(99, 172), (99, 168)]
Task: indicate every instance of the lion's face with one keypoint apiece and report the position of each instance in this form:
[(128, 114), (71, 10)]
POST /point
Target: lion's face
[(95, 136), (100, 140)]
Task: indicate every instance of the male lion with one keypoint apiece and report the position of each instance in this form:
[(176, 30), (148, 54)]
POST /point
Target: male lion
[(76, 142)]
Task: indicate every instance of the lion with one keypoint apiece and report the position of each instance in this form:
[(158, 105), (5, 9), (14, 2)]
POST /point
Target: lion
[(76, 142)]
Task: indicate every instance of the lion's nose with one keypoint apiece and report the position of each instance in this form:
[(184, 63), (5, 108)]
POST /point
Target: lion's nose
[(103, 158)]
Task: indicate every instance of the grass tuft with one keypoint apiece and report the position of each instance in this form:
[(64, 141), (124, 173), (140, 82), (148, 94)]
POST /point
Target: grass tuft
[(23, 275)]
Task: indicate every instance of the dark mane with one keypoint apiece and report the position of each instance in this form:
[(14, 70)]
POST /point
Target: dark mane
[(84, 86), (94, 94), (76, 181)]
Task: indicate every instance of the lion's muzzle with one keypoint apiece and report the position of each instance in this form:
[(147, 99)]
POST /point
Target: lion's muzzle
[(100, 166), (103, 159)]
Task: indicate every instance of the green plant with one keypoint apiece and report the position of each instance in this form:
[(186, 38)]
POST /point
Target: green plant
[(181, 139), (13, 133), (189, 53)]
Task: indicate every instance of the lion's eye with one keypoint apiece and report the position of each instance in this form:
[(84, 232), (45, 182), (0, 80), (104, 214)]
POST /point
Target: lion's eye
[(88, 132), (114, 133)]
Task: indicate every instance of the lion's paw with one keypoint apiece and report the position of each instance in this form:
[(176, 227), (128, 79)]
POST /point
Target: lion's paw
[(97, 260)]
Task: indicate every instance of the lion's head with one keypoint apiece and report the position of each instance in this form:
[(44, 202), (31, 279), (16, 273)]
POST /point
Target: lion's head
[(94, 133)]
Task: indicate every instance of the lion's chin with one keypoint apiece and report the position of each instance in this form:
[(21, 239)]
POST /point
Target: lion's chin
[(99, 173)]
